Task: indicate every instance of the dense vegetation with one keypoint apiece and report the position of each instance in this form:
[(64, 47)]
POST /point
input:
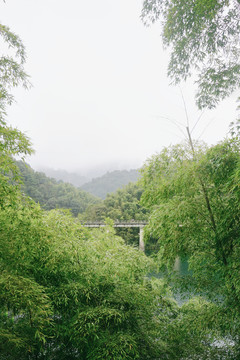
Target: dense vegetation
[(51, 194), (193, 197), (110, 182), (66, 294), (122, 205)]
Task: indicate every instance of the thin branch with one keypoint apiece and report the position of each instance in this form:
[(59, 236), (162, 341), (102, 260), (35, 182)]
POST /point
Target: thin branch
[(197, 121), (185, 108)]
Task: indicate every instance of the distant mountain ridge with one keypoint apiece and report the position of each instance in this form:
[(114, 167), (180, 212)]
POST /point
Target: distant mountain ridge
[(52, 193), (98, 186), (70, 177), (110, 182)]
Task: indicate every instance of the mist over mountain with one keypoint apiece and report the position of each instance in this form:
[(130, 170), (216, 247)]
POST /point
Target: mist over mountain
[(110, 182), (82, 175), (96, 181), (73, 178), (99, 181)]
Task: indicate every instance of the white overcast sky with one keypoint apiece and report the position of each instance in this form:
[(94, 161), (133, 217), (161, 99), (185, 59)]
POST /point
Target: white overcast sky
[(99, 85)]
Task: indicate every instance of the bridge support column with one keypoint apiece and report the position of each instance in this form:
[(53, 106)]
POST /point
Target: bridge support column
[(141, 240), (177, 264)]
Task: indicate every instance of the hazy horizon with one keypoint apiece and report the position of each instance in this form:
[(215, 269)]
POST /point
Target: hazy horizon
[(90, 172), (100, 95)]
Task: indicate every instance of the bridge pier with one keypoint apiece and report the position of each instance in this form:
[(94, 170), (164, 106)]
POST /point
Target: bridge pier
[(141, 239), (177, 264)]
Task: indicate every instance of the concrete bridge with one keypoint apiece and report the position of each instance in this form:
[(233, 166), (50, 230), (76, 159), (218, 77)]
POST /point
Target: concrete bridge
[(122, 224)]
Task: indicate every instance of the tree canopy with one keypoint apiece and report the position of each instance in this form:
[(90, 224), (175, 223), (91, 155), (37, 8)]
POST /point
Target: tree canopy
[(12, 141), (203, 36), (68, 295), (194, 212)]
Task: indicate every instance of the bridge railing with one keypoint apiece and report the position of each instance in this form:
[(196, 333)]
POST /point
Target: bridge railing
[(116, 224)]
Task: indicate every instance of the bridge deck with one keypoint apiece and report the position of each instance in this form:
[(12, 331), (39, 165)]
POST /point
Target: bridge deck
[(96, 224)]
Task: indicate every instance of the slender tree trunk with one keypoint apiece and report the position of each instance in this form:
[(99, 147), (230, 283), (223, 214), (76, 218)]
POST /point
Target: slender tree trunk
[(208, 204)]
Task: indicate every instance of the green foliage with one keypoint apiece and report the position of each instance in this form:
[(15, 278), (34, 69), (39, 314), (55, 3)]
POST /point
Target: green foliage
[(123, 205), (51, 194), (177, 186), (12, 72), (11, 75), (69, 294), (204, 38), (12, 141)]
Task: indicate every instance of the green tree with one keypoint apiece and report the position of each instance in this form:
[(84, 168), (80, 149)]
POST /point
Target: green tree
[(12, 74), (13, 142), (194, 205), (203, 36), (121, 205)]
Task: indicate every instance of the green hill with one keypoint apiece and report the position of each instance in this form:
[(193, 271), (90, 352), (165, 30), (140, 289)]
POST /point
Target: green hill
[(110, 182), (51, 194)]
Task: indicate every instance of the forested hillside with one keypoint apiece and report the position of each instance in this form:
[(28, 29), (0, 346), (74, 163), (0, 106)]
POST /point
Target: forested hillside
[(110, 182), (51, 194)]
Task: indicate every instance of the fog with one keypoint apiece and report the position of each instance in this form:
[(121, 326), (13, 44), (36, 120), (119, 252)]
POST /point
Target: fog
[(100, 97)]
